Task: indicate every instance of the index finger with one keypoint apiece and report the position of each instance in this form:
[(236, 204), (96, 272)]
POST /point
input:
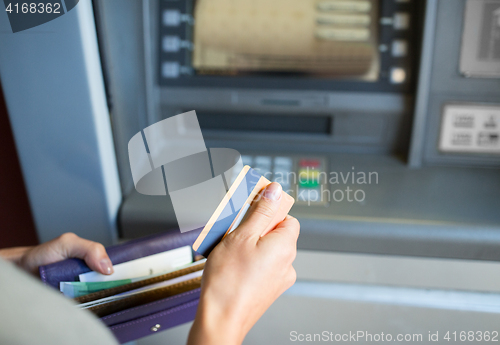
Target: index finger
[(287, 230)]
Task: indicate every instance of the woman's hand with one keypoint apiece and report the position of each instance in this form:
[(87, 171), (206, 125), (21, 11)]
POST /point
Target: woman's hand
[(246, 273), (66, 246)]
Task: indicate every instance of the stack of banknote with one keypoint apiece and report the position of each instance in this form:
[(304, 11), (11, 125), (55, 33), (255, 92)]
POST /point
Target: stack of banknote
[(129, 272)]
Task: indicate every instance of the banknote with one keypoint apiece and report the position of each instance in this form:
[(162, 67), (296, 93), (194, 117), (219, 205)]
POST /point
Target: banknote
[(129, 272), (77, 289)]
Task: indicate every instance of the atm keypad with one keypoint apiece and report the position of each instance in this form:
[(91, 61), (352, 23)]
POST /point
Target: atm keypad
[(303, 177)]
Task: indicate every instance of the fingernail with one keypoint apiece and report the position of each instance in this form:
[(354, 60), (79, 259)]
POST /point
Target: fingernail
[(273, 191), (106, 266)]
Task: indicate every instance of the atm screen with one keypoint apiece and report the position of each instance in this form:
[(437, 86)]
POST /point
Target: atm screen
[(321, 38), (366, 41)]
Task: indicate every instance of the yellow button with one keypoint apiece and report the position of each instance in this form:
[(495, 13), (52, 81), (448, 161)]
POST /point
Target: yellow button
[(308, 174)]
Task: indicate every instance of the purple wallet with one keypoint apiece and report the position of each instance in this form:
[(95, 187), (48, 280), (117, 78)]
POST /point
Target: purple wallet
[(137, 322)]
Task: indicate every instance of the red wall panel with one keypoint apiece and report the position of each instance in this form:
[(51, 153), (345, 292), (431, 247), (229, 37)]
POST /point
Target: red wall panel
[(16, 222)]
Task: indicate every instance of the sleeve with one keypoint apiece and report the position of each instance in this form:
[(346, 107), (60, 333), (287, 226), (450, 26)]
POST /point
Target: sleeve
[(35, 314)]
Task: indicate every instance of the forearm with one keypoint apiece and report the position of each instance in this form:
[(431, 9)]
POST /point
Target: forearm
[(14, 254)]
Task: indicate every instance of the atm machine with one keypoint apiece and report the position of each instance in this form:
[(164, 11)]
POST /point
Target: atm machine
[(396, 103), (402, 92)]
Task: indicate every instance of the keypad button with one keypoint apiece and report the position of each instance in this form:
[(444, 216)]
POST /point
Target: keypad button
[(247, 160), (309, 184), (263, 161), (283, 175), (263, 166), (312, 163), (308, 174), (284, 162)]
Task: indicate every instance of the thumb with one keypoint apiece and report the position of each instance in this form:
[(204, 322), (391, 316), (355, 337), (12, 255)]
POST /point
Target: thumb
[(93, 253), (262, 211)]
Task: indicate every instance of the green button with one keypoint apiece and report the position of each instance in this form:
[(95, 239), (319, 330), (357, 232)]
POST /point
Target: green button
[(310, 183)]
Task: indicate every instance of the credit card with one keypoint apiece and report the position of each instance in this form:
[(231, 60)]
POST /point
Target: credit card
[(233, 208)]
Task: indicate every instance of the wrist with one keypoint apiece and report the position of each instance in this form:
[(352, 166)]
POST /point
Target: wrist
[(14, 255), (214, 325)]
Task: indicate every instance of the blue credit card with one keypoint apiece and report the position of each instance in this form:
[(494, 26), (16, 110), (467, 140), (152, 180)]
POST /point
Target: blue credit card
[(231, 210)]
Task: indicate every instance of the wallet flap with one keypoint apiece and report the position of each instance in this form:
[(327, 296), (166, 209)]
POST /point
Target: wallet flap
[(70, 269), (143, 326), (151, 308)]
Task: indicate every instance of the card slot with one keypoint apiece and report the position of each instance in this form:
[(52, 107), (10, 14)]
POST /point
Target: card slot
[(132, 286), (149, 296)]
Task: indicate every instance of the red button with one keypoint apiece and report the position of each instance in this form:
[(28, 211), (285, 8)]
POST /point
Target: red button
[(312, 163)]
